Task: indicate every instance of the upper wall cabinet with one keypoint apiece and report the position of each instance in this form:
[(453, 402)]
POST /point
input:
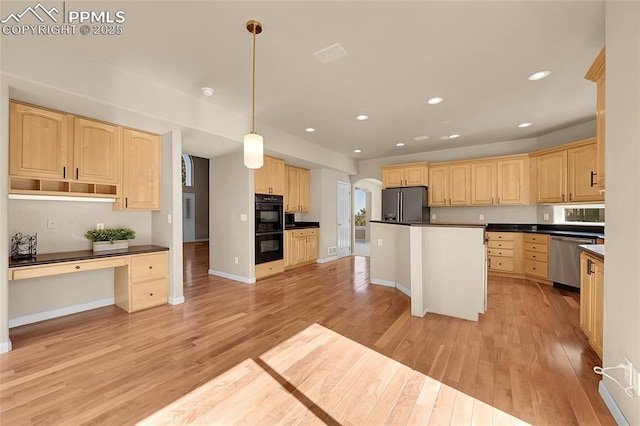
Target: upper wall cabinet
[(597, 74), (270, 178), (449, 185), (500, 181), (141, 156), (566, 174), (297, 190), (96, 151), (409, 174), (39, 142)]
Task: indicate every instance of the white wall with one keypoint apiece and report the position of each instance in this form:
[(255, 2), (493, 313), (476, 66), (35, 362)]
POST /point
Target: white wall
[(231, 188), (622, 269), (5, 343), (165, 232), (492, 214), (574, 133), (323, 207)]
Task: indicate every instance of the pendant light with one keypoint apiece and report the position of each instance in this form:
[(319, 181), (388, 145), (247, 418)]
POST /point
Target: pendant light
[(253, 141)]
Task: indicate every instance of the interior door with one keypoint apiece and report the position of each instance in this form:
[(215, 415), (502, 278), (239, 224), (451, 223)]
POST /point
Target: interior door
[(188, 217), (344, 219)]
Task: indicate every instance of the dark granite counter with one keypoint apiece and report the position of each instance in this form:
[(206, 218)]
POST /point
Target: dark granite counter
[(302, 225), (434, 224), (594, 249), (559, 230), (70, 256)]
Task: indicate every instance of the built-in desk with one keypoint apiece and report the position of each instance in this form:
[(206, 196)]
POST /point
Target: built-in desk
[(141, 276)]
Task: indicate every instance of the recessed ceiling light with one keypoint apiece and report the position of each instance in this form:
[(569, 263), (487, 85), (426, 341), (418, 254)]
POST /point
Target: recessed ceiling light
[(453, 136), (399, 144), (207, 91), (362, 117), (522, 125), (357, 151), (539, 75), (309, 130), (435, 101), (420, 138)]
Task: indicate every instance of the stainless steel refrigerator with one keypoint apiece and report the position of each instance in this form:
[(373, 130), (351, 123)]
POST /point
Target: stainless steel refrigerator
[(405, 204)]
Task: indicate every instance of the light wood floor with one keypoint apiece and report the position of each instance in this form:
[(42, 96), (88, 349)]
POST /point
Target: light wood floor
[(526, 356)]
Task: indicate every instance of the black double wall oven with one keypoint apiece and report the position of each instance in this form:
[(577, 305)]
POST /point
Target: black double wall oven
[(269, 228)]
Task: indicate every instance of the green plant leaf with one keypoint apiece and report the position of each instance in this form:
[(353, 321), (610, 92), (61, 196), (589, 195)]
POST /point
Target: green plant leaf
[(110, 234)]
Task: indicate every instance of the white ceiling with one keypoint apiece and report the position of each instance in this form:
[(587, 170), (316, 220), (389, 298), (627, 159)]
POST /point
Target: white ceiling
[(477, 55)]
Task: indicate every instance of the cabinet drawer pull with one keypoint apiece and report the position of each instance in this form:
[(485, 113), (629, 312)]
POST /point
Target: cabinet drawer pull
[(591, 182), (534, 256), (534, 268), (150, 294), (499, 252), (77, 267)]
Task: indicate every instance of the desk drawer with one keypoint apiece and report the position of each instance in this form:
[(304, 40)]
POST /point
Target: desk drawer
[(500, 252), (540, 248), (148, 266), (148, 294), (66, 268), (501, 264), (539, 269), (500, 244), (537, 256)]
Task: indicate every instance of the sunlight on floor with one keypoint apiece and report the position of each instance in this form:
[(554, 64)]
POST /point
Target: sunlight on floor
[(321, 377)]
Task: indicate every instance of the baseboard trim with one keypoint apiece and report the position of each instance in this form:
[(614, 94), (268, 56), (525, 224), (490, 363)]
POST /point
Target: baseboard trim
[(5, 347), (403, 289), (383, 282), (232, 277), (426, 310), (42, 316), (176, 300), (611, 404), (327, 259)]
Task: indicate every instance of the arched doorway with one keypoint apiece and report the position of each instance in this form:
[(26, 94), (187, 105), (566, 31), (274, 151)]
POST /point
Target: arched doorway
[(367, 207)]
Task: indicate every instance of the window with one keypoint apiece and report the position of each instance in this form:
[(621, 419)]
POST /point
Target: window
[(587, 214), (187, 170)]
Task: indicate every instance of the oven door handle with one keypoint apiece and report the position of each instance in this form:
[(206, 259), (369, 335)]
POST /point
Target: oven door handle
[(259, 234)]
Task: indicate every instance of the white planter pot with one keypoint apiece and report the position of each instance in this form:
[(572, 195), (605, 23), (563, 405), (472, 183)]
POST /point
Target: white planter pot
[(107, 245)]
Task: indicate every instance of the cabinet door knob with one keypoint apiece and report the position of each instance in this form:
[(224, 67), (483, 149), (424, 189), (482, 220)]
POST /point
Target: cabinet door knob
[(150, 267), (77, 267), (150, 294)]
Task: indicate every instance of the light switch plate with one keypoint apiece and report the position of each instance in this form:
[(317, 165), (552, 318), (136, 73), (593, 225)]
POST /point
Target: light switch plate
[(243, 217), (99, 226)]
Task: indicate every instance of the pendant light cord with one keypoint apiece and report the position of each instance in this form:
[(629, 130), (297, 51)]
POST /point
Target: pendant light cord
[(253, 93)]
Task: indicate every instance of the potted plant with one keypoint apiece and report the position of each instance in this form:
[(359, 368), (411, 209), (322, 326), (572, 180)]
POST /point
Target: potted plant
[(110, 238)]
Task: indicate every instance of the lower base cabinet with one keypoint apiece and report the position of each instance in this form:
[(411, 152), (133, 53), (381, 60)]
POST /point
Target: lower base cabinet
[(267, 269), (592, 300), (144, 283), (301, 247)]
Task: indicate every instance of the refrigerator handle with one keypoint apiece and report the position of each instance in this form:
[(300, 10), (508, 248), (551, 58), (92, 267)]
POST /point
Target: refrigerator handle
[(398, 208), (401, 207)]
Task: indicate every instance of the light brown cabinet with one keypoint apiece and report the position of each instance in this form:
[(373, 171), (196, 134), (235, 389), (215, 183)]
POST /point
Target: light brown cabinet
[(96, 151), (409, 174), (144, 283), (566, 174), (536, 256), (297, 189), (503, 181), (504, 252), (141, 157), (450, 185), (592, 300), (270, 178), (301, 247), (40, 144), (596, 74)]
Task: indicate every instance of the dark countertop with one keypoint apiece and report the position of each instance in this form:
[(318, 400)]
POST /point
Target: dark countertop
[(594, 249), (559, 230), (70, 256), (440, 224), (302, 225)]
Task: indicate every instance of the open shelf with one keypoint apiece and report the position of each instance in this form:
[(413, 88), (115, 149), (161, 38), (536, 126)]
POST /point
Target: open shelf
[(63, 187)]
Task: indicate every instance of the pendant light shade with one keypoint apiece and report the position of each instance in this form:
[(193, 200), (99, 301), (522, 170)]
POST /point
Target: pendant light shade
[(253, 158), (253, 151)]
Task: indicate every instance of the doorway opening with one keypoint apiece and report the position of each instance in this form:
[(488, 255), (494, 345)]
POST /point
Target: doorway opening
[(367, 207), (195, 199)]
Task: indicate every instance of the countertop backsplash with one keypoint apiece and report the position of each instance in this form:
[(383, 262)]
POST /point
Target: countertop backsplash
[(73, 219)]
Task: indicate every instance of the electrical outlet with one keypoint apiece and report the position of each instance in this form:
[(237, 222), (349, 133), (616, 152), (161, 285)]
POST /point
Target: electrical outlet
[(481, 217), (628, 372), (243, 217), (433, 216), (235, 259), (379, 242), (169, 218), (99, 226), (546, 216)]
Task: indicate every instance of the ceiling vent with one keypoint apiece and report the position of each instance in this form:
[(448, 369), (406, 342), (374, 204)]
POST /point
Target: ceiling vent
[(331, 53)]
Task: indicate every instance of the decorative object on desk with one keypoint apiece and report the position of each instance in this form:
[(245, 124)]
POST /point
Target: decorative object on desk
[(110, 239), (23, 246)]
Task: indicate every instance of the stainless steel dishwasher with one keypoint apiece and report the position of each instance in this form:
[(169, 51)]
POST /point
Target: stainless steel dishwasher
[(564, 260)]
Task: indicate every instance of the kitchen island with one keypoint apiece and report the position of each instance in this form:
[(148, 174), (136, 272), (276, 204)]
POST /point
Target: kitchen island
[(442, 267)]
